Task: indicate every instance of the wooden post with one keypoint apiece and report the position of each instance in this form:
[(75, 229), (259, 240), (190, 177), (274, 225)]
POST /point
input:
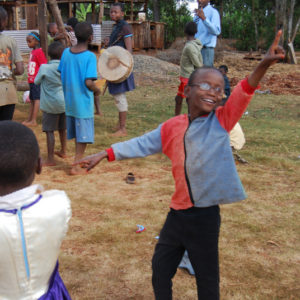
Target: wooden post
[(101, 12), (70, 10), (131, 11), (58, 19), (93, 13), (42, 23)]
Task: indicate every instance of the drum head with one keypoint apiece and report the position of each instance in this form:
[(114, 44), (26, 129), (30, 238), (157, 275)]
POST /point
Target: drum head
[(115, 64)]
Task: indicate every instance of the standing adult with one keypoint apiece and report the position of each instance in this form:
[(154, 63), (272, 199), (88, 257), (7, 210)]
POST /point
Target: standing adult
[(207, 19), (11, 64)]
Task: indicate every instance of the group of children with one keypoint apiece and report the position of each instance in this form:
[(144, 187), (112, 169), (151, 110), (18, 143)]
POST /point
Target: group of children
[(34, 222), (65, 89)]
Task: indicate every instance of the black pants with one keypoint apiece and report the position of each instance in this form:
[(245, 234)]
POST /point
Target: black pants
[(197, 231), (7, 112)]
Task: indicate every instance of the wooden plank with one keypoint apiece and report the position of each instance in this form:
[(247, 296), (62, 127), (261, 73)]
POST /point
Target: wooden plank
[(101, 12)]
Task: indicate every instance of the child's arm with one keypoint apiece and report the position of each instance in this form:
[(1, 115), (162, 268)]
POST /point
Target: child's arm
[(128, 43), (39, 76), (147, 144), (127, 36), (97, 105), (194, 57), (92, 86), (242, 94), (19, 70), (274, 54)]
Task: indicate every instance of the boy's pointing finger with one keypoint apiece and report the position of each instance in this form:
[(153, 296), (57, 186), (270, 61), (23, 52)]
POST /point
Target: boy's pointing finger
[(277, 38)]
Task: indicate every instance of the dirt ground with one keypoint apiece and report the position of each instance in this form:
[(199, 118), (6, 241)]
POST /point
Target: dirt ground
[(282, 79), (102, 257)]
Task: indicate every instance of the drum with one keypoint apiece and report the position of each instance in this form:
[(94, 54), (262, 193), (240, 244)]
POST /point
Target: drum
[(115, 64)]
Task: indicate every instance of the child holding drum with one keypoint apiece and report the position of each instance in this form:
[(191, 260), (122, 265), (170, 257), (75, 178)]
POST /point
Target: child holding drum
[(121, 36)]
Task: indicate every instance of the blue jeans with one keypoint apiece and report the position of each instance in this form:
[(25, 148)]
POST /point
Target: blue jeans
[(208, 55)]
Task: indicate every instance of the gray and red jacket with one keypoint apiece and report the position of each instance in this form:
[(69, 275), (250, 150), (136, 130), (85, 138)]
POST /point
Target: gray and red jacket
[(202, 163)]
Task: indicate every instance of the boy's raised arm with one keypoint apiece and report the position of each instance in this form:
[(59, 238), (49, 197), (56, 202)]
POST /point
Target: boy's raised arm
[(274, 54)]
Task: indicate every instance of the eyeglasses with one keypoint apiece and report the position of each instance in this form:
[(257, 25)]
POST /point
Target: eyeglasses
[(206, 87)]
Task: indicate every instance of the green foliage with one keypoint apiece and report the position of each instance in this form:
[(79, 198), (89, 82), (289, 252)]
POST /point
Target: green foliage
[(82, 12), (174, 18)]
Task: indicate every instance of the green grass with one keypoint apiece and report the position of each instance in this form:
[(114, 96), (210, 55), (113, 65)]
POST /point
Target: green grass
[(103, 258)]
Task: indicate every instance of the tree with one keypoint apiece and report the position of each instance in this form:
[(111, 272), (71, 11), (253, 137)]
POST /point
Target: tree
[(285, 16), (174, 17)]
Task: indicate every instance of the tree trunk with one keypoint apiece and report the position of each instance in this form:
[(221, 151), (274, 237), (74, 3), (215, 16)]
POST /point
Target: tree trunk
[(156, 11), (255, 24), (42, 22), (290, 20), (58, 19)]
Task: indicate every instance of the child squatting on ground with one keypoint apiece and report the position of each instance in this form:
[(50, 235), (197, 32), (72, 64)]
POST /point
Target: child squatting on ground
[(36, 59), (78, 68), (191, 59), (33, 223), (121, 36), (204, 172), (52, 103)]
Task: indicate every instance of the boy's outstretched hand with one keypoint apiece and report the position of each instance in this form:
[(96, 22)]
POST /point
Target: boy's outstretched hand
[(91, 161), (275, 52), (273, 55)]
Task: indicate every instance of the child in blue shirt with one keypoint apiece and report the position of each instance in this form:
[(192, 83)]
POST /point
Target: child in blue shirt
[(78, 68), (52, 102)]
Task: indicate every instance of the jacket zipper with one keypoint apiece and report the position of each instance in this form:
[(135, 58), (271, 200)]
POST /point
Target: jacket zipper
[(185, 173)]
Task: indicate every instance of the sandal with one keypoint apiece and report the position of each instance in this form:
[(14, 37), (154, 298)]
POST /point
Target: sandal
[(130, 179)]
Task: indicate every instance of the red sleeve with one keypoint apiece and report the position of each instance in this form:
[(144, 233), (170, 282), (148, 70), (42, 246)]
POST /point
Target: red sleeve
[(111, 154), (229, 114)]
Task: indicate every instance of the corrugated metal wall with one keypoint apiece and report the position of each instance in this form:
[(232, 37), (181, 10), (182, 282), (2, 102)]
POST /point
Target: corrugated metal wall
[(20, 36)]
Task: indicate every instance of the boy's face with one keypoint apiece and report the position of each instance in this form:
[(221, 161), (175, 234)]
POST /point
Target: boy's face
[(116, 13), (223, 71), (203, 3), (53, 30), (201, 101)]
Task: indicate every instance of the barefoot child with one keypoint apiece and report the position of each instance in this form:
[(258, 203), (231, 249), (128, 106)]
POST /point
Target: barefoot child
[(78, 68), (33, 223), (37, 58), (191, 58), (121, 36), (204, 171), (52, 102)]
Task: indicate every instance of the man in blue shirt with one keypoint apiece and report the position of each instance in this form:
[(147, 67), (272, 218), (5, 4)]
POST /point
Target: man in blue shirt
[(209, 27)]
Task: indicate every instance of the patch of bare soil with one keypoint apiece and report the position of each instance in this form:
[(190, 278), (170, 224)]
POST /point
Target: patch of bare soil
[(281, 79)]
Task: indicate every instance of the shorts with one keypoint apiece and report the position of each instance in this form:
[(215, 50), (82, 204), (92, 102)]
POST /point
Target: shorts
[(8, 93), (80, 129), (7, 112), (183, 83), (35, 92), (121, 102), (53, 122)]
